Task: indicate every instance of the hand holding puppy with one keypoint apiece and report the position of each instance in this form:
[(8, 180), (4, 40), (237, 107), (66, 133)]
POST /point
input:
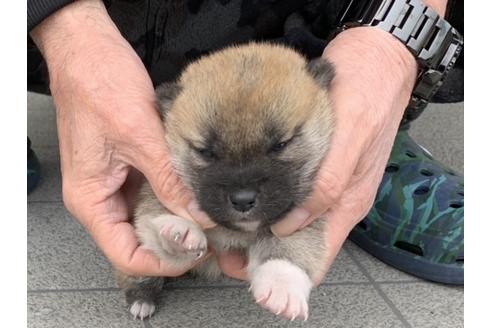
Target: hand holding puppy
[(374, 78), (107, 124)]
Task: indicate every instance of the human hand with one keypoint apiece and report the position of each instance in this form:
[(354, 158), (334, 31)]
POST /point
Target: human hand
[(108, 125), (374, 78)]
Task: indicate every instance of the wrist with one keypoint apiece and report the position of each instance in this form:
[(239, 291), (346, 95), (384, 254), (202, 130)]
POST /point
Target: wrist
[(375, 58), (72, 28)]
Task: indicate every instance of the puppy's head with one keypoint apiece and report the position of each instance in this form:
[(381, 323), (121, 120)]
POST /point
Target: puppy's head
[(247, 128)]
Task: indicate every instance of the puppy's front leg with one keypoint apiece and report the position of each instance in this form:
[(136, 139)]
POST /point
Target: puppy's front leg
[(175, 240), (280, 270)]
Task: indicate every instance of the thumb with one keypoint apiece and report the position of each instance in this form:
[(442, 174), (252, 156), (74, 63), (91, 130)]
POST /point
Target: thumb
[(119, 244)]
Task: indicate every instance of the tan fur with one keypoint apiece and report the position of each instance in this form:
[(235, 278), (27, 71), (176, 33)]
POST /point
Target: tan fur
[(219, 88), (240, 89)]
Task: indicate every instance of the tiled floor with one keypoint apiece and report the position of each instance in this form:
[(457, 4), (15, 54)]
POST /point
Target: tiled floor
[(70, 283)]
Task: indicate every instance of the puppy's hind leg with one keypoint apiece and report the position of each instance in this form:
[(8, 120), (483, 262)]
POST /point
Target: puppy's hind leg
[(141, 293)]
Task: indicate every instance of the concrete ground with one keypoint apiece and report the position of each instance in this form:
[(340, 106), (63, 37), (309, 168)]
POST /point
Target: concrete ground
[(70, 283)]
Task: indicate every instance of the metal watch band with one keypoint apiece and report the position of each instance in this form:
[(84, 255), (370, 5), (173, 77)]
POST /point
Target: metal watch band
[(433, 41)]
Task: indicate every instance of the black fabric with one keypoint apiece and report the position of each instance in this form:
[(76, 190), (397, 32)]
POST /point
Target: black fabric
[(37, 10), (168, 35), (455, 14), (453, 88)]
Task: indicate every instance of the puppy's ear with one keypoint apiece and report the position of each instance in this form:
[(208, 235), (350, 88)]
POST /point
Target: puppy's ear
[(321, 70), (166, 93)]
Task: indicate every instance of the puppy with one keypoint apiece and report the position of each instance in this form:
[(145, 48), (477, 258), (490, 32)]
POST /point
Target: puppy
[(247, 128)]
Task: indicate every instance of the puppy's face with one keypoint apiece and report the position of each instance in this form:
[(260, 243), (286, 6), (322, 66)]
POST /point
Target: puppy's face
[(247, 128)]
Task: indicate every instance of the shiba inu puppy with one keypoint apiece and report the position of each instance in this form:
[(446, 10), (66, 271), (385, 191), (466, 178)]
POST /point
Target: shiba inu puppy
[(247, 128)]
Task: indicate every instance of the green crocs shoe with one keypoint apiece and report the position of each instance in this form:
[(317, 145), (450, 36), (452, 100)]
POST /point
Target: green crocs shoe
[(417, 221)]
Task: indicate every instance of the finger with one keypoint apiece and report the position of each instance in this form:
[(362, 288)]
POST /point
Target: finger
[(233, 265), (119, 244)]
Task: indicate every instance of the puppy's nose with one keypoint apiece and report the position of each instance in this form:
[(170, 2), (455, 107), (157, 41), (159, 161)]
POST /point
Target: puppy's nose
[(243, 200)]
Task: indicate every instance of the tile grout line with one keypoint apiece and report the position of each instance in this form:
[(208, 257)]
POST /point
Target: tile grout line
[(355, 283), (115, 289), (393, 282), (47, 291), (381, 293), (46, 146), (44, 201)]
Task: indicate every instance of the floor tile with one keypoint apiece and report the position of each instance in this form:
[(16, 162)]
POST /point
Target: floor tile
[(60, 253), (199, 282), (41, 120), (428, 305), (77, 309), (331, 306), (50, 185), (440, 130), (344, 270), (378, 270)]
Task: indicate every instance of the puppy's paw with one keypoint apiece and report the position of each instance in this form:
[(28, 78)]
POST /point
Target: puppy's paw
[(142, 309), (282, 287), (184, 236)]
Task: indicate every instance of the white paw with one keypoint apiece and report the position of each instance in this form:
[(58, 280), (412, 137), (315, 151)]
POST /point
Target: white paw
[(281, 287), (184, 236), (141, 309)]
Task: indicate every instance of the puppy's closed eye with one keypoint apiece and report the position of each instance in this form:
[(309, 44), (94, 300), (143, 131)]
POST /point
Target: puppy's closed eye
[(280, 146), (206, 153)]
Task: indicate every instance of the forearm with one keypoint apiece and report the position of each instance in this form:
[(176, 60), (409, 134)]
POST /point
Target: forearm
[(74, 20), (83, 27)]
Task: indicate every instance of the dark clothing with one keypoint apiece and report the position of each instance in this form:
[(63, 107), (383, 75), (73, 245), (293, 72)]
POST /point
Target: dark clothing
[(37, 10), (168, 34)]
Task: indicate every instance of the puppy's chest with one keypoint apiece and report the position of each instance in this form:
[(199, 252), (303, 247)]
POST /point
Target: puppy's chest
[(222, 239)]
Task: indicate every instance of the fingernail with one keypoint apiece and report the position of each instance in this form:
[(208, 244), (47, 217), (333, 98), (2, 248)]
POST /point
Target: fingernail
[(199, 216), (291, 222)]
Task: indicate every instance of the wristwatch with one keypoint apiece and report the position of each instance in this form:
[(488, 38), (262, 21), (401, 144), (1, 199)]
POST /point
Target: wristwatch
[(432, 40)]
